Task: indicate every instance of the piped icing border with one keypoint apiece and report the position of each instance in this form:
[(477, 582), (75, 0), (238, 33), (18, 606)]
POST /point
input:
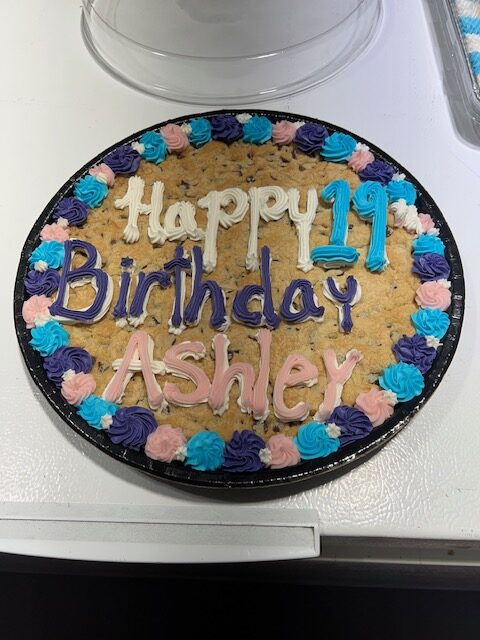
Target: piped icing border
[(136, 427)]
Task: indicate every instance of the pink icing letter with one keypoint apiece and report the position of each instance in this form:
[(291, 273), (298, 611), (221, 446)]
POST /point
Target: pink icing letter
[(174, 363), (296, 371), (337, 376), (138, 357)]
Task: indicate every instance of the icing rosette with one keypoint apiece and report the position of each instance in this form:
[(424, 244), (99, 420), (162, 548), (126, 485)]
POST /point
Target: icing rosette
[(123, 161), (73, 210), (431, 266), (90, 191), (39, 283), (434, 294), (93, 409), (283, 132), (48, 338), (205, 451), (338, 147), (426, 222), (242, 452), (131, 426), (66, 359), (378, 171), (35, 309), (431, 322), (103, 173), (165, 443), (352, 422), (401, 190), (415, 350), (226, 128), (283, 450), (77, 387), (360, 158), (313, 441), (376, 405), (405, 380), (154, 147), (428, 244), (54, 232), (201, 132), (310, 137), (175, 138), (257, 130), (51, 254)]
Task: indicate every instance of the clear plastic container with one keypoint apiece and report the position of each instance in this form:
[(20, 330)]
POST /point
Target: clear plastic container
[(460, 82), (227, 51)]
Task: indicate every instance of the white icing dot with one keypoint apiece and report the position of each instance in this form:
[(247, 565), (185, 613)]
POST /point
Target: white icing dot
[(433, 232), (433, 342), (62, 222), (390, 397), (40, 265), (41, 319), (101, 177), (181, 453), (398, 176), (106, 421), (69, 373), (333, 430), (138, 146), (361, 147), (446, 284), (299, 124), (265, 456), (243, 117), (186, 128)]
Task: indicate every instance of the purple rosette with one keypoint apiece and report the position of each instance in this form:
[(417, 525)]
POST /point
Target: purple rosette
[(38, 283), (353, 424), (123, 161), (73, 210), (378, 171), (226, 128), (242, 452), (310, 137), (431, 266), (131, 427), (415, 350), (66, 358)]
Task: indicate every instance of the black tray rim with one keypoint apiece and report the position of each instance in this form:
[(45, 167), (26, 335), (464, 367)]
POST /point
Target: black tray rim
[(319, 469)]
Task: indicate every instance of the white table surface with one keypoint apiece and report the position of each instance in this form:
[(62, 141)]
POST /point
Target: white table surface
[(61, 497)]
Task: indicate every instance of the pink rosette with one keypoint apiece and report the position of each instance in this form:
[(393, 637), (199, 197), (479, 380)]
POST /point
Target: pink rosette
[(283, 132), (426, 222), (103, 173), (434, 295), (54, 232), (77, 387), (375, 406), (360, 159), (164, 443), (175, 138), (283, 450), (34, 307)]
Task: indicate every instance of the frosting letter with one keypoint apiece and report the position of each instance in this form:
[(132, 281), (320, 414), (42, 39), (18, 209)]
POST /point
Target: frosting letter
[(296, 371), (174, 363), (303, 224), (343, 301), (259, 208), (138, 357), (337, 376), (88, 273)]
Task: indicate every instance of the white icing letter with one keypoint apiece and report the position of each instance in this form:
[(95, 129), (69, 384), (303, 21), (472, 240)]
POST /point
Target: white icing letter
[(215, 202), (259, 208), (303, 224), (133, 200), (184, 213)]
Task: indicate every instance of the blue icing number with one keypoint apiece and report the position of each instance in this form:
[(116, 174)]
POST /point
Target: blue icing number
[(370, 202), (431, 322), (336, 253), (155, 147)]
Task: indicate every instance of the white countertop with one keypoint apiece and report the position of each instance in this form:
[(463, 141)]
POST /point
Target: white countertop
[(57, 103)]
